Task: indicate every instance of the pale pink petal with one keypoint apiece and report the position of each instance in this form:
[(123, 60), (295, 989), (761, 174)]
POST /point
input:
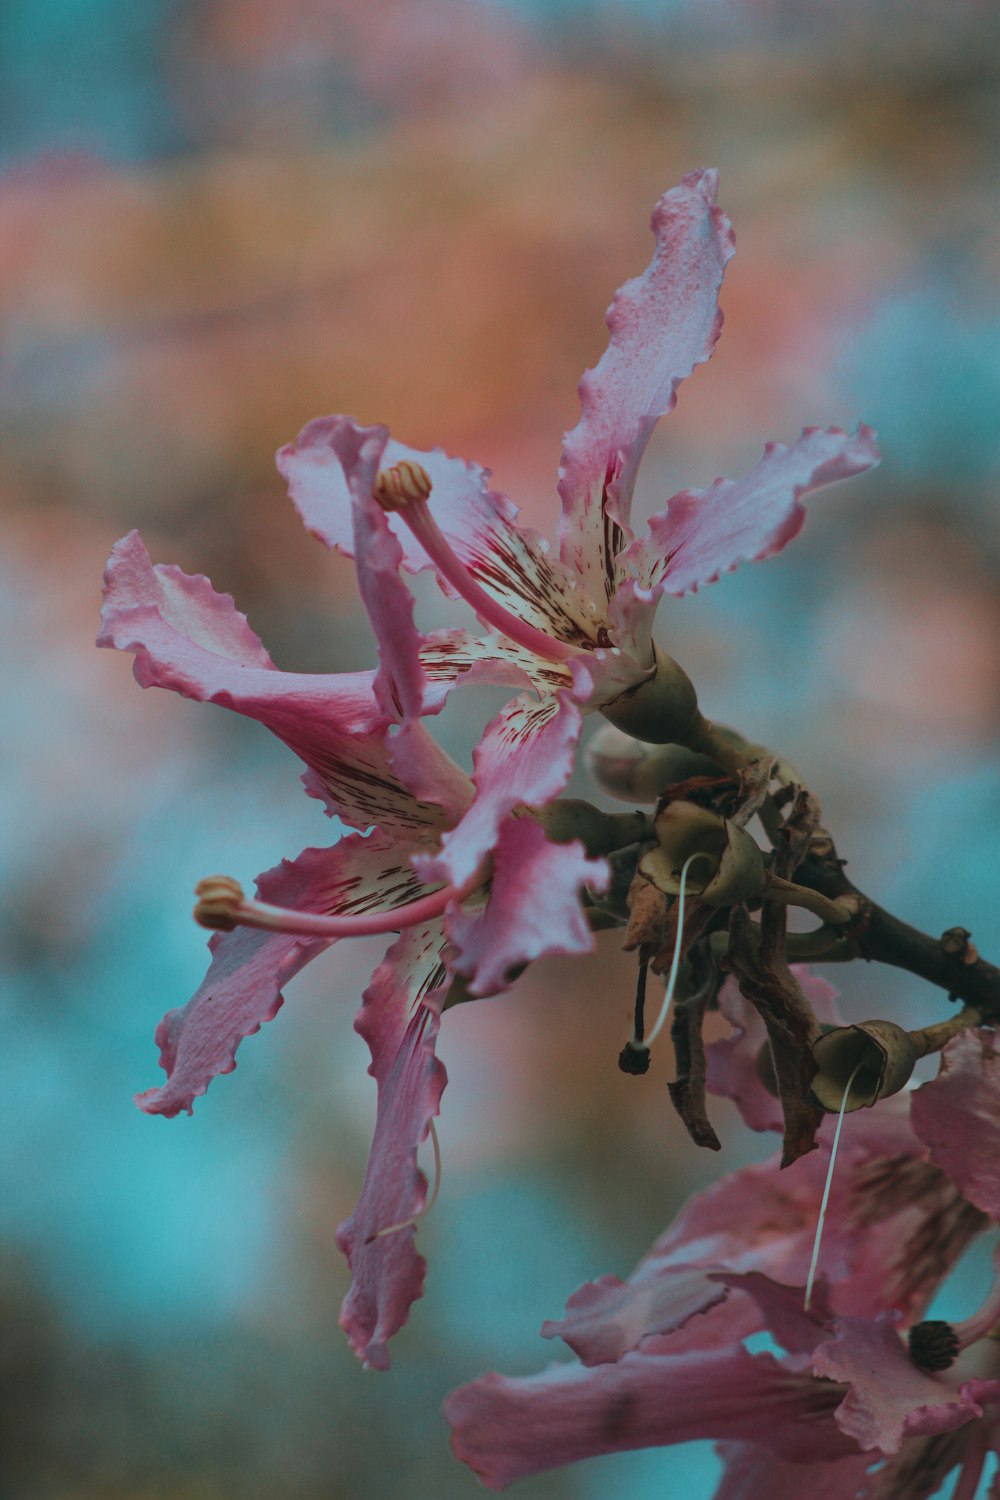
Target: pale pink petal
[(705, 533), (782, 1308), (921, 1466), (753, 1473), (186, 637), (399, 1021), (718, 1327), (595, 679), (526, 756), (904, 1220), (889, 1398), (533, 909), (242, 988), (662, 324), (733, 1062), (895, 1226), (507, 1429), (427, 771), (180, 624), (957, 1116), (605, 1319), (757, 1219), (509, 561), (448, 656), (399, 681)]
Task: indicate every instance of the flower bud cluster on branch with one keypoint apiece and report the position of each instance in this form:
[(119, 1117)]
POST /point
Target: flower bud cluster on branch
[(476, 876)]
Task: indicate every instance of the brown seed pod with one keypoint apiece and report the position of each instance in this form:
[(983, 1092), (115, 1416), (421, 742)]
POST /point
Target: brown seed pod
[(880, 1055), (728, 867)]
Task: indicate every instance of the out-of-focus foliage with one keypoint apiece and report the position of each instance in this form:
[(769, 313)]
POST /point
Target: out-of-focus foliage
[(220, 219)]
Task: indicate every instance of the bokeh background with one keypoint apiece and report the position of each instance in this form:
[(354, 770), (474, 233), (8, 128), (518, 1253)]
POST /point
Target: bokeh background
[(220, 218)]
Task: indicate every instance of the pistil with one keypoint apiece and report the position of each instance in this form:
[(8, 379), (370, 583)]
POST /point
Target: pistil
[(404, 489), (222, 905)]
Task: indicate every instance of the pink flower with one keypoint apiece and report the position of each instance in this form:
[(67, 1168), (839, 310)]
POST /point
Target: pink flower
[(957, 1116), (596, 603), (371, 760), (662, 1358)]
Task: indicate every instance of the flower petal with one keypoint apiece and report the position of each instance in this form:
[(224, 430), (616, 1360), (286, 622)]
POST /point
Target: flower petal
[(399, 681), (903, 1219), (399, 1021), (533, 909), (889, 1398), (662, 324), (188, 638), (957, 1116), (920, 1468), (607, 1318), (757, 1219), (754, 1473), (448, 655), (509, 561), (895, 1227), (781, 1306), (526, 756), (242, 988), (507, 1429), (733, 1061), (705, 533)]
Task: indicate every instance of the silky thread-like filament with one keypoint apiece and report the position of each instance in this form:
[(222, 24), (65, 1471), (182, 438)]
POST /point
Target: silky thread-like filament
[(826, 1192)]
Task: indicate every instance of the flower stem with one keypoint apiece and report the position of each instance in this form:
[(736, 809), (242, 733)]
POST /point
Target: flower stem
[(835, 913), (933, 1038)]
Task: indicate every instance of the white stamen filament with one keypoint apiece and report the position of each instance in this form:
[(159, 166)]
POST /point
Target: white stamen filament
[(826, 1192), (675, 962), (431, 1200)]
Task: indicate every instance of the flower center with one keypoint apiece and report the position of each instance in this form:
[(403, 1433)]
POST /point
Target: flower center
[(404, 489)]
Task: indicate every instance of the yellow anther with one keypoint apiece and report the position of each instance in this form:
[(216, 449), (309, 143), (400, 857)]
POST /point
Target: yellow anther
[(219, 898), (397, 487)]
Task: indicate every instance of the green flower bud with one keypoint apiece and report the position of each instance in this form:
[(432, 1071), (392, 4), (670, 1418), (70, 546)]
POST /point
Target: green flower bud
[(635, 771), (662, 710)]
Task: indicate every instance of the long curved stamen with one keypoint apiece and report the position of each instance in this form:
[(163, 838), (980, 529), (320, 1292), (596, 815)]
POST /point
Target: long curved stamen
[(223, 906), (404, 488), (432, 1199), (826, 1193)]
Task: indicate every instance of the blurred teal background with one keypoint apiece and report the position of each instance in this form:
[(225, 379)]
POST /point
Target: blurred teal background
[(220, 218)]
